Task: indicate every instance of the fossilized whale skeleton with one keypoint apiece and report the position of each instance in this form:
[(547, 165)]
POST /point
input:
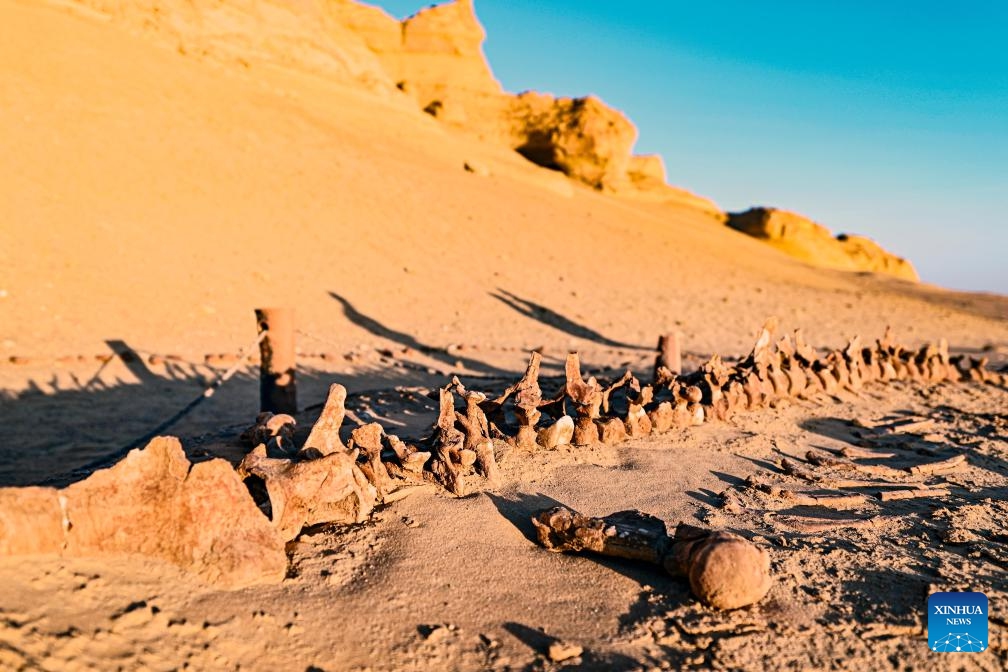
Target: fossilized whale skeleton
[(329, 481)]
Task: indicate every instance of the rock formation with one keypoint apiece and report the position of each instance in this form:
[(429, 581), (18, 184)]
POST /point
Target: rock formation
[(646, 173), (434, 57), (440, 50), (583, 137), (311, 36), (152, 503), (434, 61), (813, 243)]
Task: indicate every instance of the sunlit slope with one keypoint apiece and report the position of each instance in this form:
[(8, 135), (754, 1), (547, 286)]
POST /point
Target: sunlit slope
[(156, 197)]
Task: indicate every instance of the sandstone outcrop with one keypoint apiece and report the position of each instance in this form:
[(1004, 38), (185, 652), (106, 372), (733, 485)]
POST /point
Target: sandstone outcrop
[(434, 57), (438, 61), (582, 137), (813, 243), (646, 173), (311, 36), (155, 503), (441, 50)]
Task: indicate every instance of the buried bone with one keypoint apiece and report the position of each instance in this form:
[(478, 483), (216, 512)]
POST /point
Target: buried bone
[(449, 453), (724, 570), (276, 430), (587, 398), (368, 440), (477, 432), (324, 438), (330, 489)]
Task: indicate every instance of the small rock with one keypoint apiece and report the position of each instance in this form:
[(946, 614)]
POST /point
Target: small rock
[(435, 633), (476, 168), (559, 433), (560, 651)]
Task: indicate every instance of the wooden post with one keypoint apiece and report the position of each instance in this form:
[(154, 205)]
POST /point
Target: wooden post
[(277, 384), (669, 353)]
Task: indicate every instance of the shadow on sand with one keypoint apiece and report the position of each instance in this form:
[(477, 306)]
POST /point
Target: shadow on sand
[(63, 425), (659, 592), (409, 341), (551, 318)]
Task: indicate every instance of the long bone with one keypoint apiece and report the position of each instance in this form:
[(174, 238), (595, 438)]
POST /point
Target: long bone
[(724, 570)]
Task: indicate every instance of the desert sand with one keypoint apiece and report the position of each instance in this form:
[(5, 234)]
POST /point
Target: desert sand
[(156, 190)]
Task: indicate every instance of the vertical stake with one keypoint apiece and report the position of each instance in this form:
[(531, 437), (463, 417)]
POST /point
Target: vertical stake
[(669, 352), (277, 384)]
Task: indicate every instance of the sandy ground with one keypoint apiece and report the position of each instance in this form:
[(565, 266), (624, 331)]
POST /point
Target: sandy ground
[(150, 200)]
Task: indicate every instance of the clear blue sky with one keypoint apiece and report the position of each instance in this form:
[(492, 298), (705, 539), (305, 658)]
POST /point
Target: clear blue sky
[(888, 119)]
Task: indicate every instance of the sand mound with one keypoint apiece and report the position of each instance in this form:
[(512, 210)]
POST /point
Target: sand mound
[(811, 242)]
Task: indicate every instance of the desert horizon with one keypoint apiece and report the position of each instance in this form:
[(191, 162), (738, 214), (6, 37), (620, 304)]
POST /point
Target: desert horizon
[(324, 323)]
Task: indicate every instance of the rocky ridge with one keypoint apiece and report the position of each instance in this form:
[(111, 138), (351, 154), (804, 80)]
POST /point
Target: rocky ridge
[(434, 60), (802, 238)]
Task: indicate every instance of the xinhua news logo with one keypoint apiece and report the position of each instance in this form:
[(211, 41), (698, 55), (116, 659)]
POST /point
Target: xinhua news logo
[(957, 622)]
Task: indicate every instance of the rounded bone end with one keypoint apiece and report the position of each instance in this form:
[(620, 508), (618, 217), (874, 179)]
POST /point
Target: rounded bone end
[(727, 571)]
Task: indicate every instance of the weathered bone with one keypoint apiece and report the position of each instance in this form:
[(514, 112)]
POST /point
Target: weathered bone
[(792, 468), (823, 460), (796, 498), (368, 439), (324, 438), (855, 364), (411, 459), (611, 431), (724, 570), (804, 352), (853, 452), (587, 398), (559, 433), (527, 400), (892, 495), (330, 489), (637, 421), (694, 415), (477, 433), (942, 467), (759, 358), (662, 417), (623, 381), (274, 430), (819, 525), (448, 445), (770, 374)]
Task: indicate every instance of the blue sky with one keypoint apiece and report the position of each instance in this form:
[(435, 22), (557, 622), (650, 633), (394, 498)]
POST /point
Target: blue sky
[(888, 119)]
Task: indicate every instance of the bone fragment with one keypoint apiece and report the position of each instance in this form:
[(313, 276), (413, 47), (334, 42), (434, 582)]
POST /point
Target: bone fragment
[(942, 467), (587, 398), (893, 495), (324, 438), (330, 489), (558, 434), (724, 570)]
